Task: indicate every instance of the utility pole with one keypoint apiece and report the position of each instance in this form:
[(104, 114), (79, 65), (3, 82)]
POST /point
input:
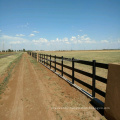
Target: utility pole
[(11, 46), (3, 46)]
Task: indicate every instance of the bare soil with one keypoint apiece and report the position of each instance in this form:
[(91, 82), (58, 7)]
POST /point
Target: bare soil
[(36, 93)]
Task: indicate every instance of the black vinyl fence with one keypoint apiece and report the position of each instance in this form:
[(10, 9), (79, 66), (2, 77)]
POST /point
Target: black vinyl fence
[(48, 59)]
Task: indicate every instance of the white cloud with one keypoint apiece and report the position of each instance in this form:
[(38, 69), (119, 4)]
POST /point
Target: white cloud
[(40, 40), (65, 39), (31, 35), (73, 38), (84, 37), (52, 41), (13, 40), (67, 42), (0, 30), (57, 39), (81, 39), (90, 41), (87, 39), (75, 42), (20, 35), (118, 40), (36, 31), (80, 30), (104, 41)]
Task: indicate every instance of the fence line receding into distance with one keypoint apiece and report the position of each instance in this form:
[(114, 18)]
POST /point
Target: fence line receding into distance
[(44, 59)]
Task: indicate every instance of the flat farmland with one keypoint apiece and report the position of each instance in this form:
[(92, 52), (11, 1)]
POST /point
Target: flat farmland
[(6, 61), (101, 56), (5, 54), (30, 91)]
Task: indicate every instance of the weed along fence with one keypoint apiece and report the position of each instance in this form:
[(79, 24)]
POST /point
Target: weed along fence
[(58, 66)]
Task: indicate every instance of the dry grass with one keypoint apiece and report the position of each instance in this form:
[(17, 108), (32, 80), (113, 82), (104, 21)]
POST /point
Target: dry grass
[(6, 53), (5, 62), (102, 56), (4, 81)]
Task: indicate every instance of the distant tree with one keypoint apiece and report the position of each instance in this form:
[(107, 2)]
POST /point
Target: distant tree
[(9, 50), (3, 50), (23, 50)]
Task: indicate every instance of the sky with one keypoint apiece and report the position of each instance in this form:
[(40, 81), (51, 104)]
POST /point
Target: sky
[(59, 24)]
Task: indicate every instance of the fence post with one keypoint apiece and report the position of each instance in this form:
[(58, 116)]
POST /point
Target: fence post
[(50, 61), (55, 63), (47, 60), (44, 59), (62, 66), (37, 57), (40, 57), (93, 79), (73, 70)]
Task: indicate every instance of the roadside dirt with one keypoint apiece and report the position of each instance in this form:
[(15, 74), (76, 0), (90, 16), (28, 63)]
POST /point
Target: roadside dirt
[(36, 93)]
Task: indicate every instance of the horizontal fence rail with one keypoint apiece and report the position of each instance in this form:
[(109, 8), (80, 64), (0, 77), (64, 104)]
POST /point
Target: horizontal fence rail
[(49, 59)]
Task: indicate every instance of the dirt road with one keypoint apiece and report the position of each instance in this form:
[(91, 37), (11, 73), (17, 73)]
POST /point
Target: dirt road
[(35, 93)]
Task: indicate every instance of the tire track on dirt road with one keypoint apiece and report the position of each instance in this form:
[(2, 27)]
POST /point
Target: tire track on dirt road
[(45, 111), (17, 112)]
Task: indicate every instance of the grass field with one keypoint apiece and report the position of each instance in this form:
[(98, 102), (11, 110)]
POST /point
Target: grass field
[(102, 56), (6, 66), (5, 62), (6, 53)]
